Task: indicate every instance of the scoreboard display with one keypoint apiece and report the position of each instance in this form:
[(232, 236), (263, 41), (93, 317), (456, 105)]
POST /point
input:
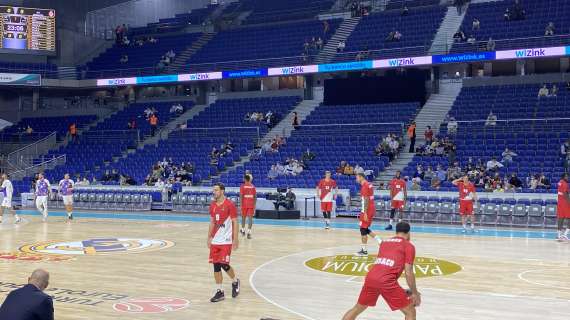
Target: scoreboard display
[(27, 29)]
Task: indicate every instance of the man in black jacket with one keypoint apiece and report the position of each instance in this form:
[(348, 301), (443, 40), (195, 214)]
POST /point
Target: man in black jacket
[(29, 302)]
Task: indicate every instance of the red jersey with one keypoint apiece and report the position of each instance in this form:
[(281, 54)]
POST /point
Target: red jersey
[(397, 189), (367, 192), (393, 255), (326, 189), (247, 192), (466, 191), (563, 209), (222, 216)]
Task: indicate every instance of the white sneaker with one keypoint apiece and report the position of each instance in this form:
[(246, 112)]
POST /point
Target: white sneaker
[(17, 220), (563, 238)]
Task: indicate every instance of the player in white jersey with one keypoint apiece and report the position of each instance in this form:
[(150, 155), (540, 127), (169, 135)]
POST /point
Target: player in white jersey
[(43, 189), (7, 191), (66, 191)]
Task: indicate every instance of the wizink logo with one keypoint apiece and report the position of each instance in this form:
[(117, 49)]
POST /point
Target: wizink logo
[(530, 53), (199, 76), (293, 70), (401, 62)]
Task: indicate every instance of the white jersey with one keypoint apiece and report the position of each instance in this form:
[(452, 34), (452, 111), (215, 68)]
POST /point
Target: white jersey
[(7, 189)]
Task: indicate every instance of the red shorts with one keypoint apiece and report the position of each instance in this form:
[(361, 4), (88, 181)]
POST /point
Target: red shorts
[(368, 223), (397, 204), (395, 296), (248, 212), (466, 208), (220, 253), (562, 211), (326, 206)]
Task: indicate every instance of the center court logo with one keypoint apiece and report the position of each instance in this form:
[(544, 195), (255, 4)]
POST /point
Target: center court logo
[(351, 265), (97, 246)]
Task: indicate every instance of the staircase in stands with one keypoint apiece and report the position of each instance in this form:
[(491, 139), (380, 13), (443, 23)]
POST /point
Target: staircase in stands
[(183, 57), (342, 33), (67, 73), (452, 21), (432, 114)]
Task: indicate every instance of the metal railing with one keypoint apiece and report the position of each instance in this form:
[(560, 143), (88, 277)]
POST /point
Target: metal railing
[(522, 125), (355, 128), (46, 165), (110, 136), (24, 156), (517, 43)]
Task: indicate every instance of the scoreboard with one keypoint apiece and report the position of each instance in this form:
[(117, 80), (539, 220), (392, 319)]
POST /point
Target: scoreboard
[(27, 29)]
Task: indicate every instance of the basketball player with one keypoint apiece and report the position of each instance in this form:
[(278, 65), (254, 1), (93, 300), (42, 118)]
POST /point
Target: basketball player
[(563, 209), (43, 189), (467, 196), (398, 194), (66, 190), (367, 213), (326, 191), (7, 192), (395, 255), (222, 238), (248, 200)]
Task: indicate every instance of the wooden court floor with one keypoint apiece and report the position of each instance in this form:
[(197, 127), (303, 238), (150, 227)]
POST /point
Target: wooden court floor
[(157, 269)]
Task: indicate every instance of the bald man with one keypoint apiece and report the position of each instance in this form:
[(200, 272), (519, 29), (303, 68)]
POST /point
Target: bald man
[(29, 302)]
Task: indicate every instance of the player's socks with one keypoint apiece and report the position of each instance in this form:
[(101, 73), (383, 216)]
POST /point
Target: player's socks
[(378, 239)]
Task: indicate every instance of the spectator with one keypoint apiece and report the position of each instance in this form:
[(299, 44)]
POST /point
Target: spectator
[(459, 6), (177, 108), (308, 156), (340, 169), (459, 36), (515, 182), (348, 170), (153, 120), (273, 173), (543, 92), (340, 47), (553, 91), (476, 24), (543, 182), (416, 184), (126, 41), (550, 29), (358, 169), (29, 130), (491, 120), (428, 135), (124, 59), (507, 15), (295, 122), (491, 44), (565, 149), (471, 39), (405, 11), (429, 174), (132, 124), (29, 301), (493, 164), (412, 136), (397, 36), (73, 132), (454, 171), (152, 40), (326, 27), (533, 182), (452, 126), (170, 54), (320, 43), (440, 174), (508, 156)]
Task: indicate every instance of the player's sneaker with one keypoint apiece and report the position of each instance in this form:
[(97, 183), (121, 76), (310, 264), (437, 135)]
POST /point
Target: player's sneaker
[(70, 217), (389, 227), (235, 289), (327, 226), (562, 238), (242, 231), (17, 220), (249, 236), (362, 252), (219, 296)]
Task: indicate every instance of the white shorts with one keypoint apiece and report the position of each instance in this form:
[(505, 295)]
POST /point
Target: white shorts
[(67, 200), (6, 202), (41, 201)]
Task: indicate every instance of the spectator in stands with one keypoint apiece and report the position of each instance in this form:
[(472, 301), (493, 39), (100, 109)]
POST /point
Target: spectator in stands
[(126, 41), (491, 120), (73, 132), (471, 39), (295, 122), (132, 124), (171, 54), (493, 164), (429, 174), (340, 169), (491, 44), (550, 29), (507, 15), (515, 182), (272, 174), (177, 108), (320, 43), (348, 170), (340, 47), (476, 24), (412, 136), (354, 9), (153, 121), (508, 156), (459, 36), (553, 91), (543, 182), (152, 40), (454, 171), (405, 10), (565, 149), (452, 126), (459, 5), (543, 91), (326, 28), (29, 130), (428, 135), (308, 156), (440, 173), (518, 12), (532, 181), (416, 184), (124, 59)]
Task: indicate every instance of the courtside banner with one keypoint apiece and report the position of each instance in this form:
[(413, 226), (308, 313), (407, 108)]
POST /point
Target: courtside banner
[(116, 82), (463, 57), (157, 79), (345, 66), (199, 76), (568, 50), (287, 71), (402, 62), (19, 79), (531, 53), (244, 73)]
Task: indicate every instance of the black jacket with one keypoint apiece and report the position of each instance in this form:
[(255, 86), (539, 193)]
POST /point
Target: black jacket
[(27, 303)]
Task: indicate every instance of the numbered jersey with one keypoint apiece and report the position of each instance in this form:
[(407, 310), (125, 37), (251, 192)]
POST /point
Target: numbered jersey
[(466, 191), (326, 189), (7, 189), (248, 192), (393, 255), (42, 187), (66, 187), (397, 189), (222, 215)]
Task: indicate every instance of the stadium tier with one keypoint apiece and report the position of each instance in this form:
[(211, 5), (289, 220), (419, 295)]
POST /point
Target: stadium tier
[(177, 23), (47, 70), (48, 125), (263, 11)]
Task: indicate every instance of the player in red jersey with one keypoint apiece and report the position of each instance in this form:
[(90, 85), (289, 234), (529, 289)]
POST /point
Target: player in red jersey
[(222, 238), (367, 213), (563, 209), (395, 255), (247, 199), (326, 191), (467, 196), (398, 194)]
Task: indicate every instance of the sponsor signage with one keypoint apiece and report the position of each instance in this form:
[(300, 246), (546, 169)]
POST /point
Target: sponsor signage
[(157, 79), (345, 66), (244, 73), (200, 76), (19, 79), (287, 71), (568, 50), (402, 62), (463, 57), (531, 53), (116, 82)]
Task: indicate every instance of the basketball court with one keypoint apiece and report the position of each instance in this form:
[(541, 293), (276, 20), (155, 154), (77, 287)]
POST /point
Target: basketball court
[(154, 266)]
